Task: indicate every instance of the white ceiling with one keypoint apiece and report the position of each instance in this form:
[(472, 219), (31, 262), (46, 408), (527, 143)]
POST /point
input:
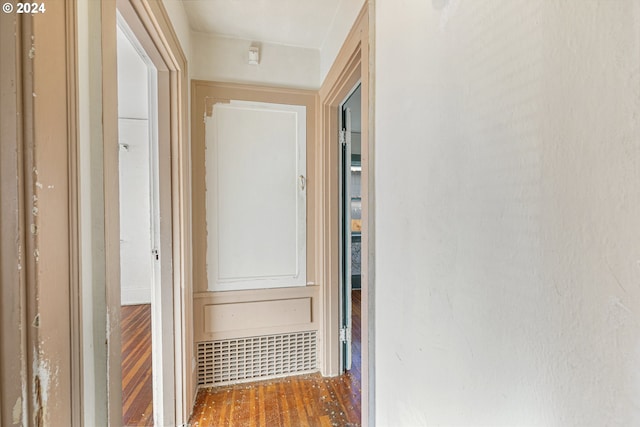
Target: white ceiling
[(303, 23)]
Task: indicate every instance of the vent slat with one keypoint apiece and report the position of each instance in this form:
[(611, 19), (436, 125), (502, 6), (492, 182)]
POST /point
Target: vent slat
[(247, 359)]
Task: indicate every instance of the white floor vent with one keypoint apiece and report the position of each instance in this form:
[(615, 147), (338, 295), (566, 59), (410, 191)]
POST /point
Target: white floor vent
[(254, 358)]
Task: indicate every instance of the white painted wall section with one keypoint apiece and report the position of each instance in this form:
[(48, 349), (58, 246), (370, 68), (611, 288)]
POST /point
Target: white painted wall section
[(225, 59), (256, 196), (507, 213), (133, 91), (343, 20), (136, 269)]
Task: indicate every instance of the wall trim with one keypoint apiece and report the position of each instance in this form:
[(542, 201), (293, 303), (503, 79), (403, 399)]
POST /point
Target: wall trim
[(352, 65), (14, 383)]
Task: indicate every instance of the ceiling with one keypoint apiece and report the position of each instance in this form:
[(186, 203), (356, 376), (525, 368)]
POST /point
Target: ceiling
[(303, 23)]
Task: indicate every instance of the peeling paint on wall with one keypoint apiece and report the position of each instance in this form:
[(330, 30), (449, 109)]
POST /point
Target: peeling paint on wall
[(38, 418), (17, 411), (210, 102), (44, 378)]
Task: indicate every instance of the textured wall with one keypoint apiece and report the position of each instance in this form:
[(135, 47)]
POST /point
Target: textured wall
[(508, 213)]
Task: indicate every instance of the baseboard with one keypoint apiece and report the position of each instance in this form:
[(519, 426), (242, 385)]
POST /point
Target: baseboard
[(134, 296)]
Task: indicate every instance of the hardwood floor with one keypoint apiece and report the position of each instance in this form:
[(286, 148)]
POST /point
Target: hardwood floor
[(137, 389), (306, 400)]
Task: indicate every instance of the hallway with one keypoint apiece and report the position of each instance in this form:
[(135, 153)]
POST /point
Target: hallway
[(306, 400)]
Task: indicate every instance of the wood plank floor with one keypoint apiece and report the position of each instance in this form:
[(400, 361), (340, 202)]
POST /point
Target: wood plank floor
[(137, 389), (300, 401)]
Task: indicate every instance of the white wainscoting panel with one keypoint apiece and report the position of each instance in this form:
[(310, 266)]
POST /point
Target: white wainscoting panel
[(256, 196)]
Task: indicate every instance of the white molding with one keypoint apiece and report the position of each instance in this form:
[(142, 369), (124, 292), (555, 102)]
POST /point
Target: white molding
[(135, 296)]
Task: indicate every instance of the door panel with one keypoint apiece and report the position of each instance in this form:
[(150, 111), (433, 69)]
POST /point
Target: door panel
[(346, 242), (256, 196)]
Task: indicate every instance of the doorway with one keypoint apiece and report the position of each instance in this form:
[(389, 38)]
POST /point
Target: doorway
[(139, 219), (99, 213), (145, 204), (350, 228)]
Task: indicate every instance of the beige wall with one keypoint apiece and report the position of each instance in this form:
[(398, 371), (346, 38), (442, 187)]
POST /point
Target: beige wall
[(507, 213)]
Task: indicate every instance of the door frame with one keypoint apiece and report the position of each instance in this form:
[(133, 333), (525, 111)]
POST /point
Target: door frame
[(39, 275), (346, 249), (149, 22), (159, 194), (352, 65)]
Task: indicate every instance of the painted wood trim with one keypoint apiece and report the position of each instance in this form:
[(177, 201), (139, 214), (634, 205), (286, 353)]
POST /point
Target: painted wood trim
[(13, 366), (40, 185), (150, 17), (255, 325), (111, 205), (351, 65), (182, 232), (232, 318), (77, 402)]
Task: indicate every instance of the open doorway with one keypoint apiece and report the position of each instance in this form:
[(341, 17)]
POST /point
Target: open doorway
[(146, 264), (350, 230), (139, 219), (99, 210)]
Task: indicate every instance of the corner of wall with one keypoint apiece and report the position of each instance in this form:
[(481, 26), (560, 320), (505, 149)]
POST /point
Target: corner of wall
[(341, 25), (180, 22)]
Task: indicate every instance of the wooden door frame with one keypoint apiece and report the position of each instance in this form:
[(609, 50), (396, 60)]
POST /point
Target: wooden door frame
[(150, 24), (99, 201), (351, 66), (39, 292)]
